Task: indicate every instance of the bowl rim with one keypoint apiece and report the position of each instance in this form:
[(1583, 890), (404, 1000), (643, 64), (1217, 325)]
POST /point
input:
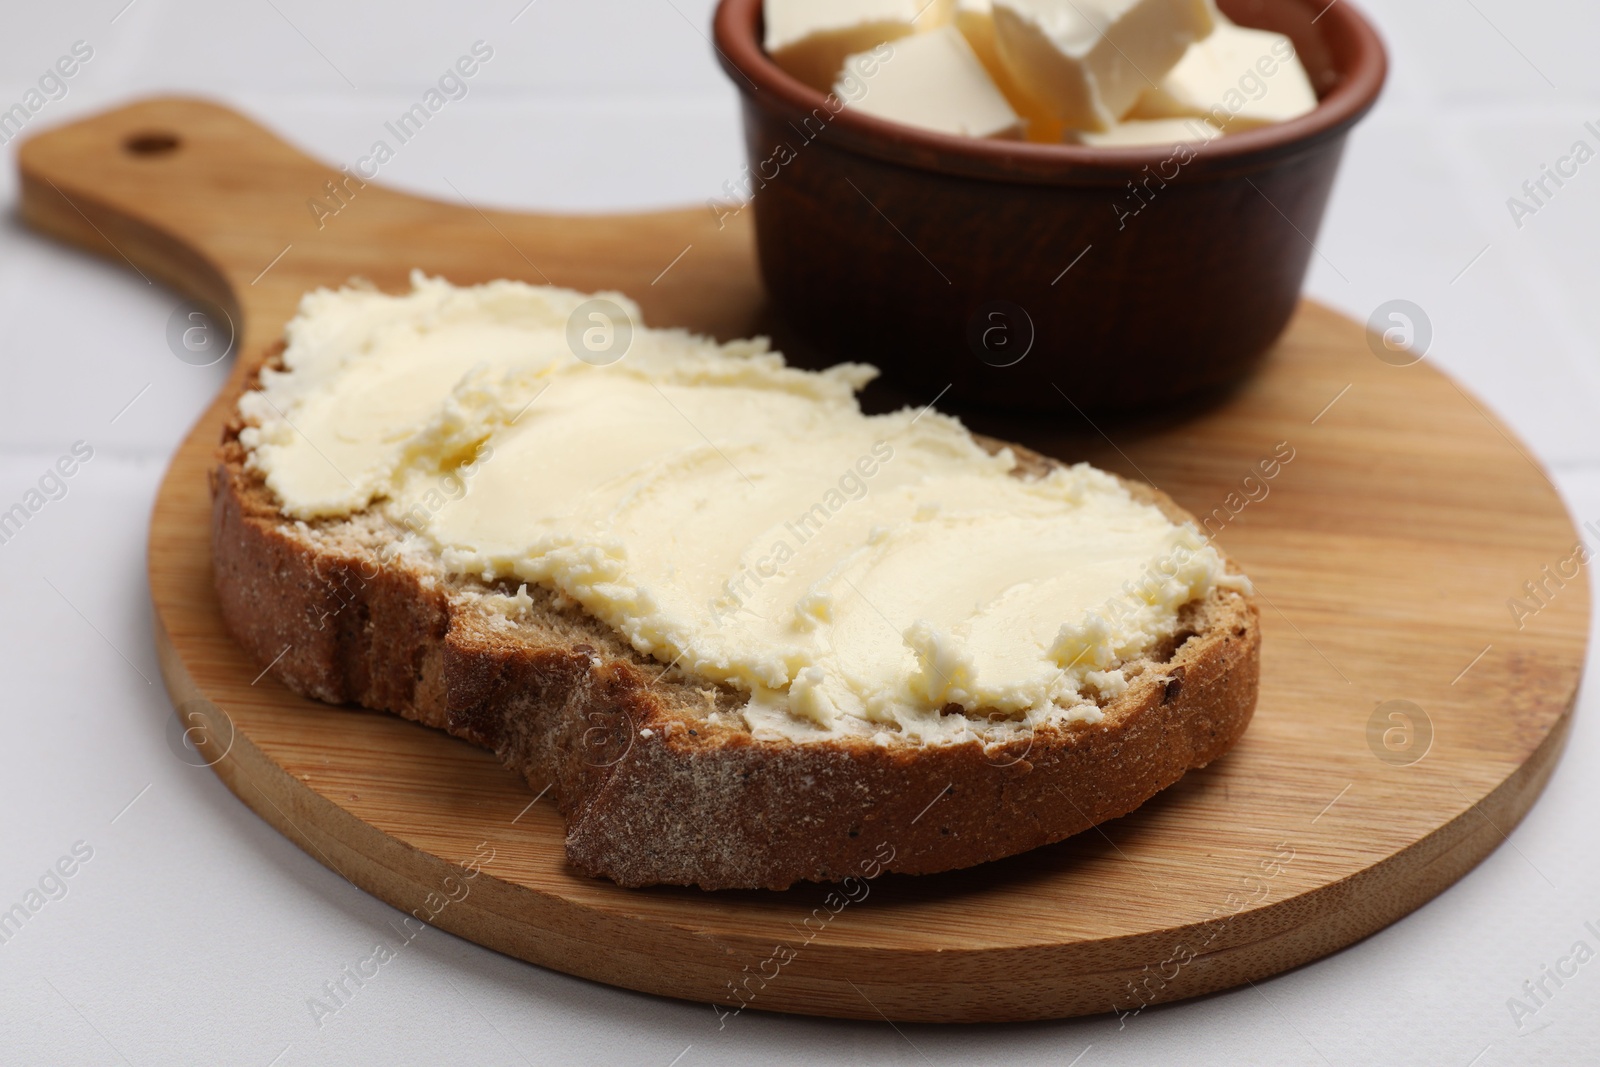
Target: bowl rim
[(767, 85)]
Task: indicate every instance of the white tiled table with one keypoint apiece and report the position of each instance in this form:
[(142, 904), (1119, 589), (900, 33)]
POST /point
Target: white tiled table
[(195, 934)]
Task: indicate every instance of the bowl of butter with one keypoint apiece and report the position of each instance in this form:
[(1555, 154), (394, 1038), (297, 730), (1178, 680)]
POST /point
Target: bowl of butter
[(1030, 204)]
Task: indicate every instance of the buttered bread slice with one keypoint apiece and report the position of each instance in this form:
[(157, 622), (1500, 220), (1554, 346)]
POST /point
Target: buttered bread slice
[(745, 633)]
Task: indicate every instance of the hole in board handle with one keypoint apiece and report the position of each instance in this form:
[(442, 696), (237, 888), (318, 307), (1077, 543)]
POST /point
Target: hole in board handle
[(152, 144)]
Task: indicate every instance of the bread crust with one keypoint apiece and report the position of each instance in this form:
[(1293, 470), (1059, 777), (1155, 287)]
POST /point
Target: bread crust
[(654, 793)]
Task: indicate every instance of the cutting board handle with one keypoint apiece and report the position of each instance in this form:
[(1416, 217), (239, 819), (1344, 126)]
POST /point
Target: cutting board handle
[(185, 191), (197, 196)]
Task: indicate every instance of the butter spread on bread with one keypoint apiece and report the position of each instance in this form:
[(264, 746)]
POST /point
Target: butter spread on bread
[(854, 575)]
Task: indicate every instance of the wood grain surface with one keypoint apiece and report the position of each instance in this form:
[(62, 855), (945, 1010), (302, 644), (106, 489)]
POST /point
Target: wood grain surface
[(1386, 551)]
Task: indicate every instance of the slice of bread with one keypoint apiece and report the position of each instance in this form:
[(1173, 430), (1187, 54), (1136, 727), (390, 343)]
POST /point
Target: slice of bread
[(656, 786)]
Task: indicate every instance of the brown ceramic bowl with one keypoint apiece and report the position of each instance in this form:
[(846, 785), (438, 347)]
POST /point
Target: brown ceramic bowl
[(1017, 273)]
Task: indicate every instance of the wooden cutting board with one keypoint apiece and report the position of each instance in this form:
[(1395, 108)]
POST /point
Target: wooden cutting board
[(1386, 551)]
